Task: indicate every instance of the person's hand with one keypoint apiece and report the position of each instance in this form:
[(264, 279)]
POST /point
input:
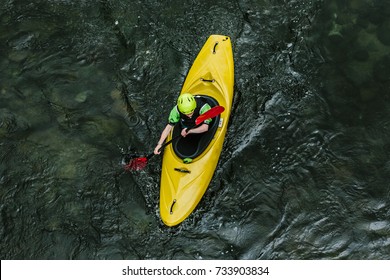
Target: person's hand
[(157, 149), (185, 132)]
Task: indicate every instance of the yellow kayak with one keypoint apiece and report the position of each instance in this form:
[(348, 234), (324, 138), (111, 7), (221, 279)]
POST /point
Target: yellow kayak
[(188, 165)]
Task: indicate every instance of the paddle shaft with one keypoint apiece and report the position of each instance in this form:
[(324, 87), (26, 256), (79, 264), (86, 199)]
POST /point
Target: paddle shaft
[(169, 142)]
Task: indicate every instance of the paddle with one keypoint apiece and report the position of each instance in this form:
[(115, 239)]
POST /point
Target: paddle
[(139, 163)]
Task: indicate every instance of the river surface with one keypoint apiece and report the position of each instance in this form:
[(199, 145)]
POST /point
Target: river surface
[(305, 168)]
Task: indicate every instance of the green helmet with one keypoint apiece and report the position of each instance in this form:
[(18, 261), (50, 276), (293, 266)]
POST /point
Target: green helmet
[(186, 103)]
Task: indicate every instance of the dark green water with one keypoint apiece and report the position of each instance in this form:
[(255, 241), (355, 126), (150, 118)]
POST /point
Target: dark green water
[(306, 162)]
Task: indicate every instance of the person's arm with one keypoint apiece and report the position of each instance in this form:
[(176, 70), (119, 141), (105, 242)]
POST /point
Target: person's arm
[(200, 129), (164, 135), (174, 117)]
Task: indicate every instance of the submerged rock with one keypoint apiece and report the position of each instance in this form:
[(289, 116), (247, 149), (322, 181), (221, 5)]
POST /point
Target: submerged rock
[(82, 96), (383, 33), (18, 55), (361, 55), (11, 123), (380, 71)]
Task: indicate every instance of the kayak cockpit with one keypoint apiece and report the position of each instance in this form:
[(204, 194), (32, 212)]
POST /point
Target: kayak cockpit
[(192, 146)]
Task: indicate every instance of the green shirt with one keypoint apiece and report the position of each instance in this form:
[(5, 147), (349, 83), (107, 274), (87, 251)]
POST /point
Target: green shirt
[(174, 116)]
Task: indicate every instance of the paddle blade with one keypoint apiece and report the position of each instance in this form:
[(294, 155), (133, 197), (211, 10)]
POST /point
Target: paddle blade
[(212, 113), (136, 164)]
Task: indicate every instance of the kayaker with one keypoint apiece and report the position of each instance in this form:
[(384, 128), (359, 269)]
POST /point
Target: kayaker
[(186, 111)]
